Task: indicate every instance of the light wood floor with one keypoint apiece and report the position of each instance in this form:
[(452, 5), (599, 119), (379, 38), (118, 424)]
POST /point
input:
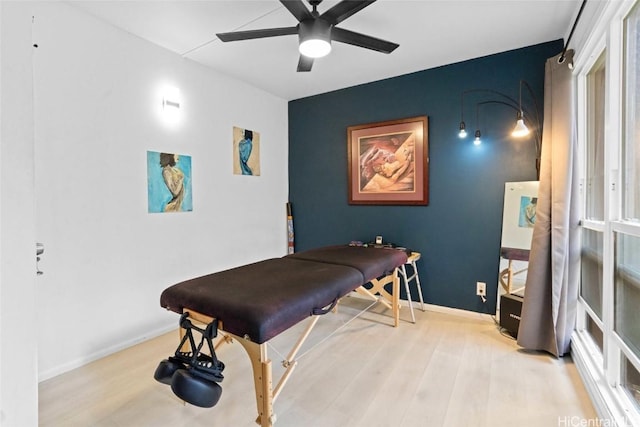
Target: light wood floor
[(446, 370)]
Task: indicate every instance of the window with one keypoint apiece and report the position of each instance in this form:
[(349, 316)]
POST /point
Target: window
[(631, 381), (631, 140), (596, 333), (595, 140), (606, 344), (591, 270), (627, 237), (592, 253), (627, 291)]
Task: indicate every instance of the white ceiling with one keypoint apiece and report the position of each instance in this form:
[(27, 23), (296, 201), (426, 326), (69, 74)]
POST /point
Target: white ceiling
[(431, 33)]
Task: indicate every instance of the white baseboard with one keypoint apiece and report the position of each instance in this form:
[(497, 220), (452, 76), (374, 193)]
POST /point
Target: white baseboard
[(69, 366), (437, 308), (58, 370), (449, 310)]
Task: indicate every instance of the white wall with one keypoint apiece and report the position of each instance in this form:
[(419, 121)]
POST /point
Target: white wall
[(18, 327), (106, 259)]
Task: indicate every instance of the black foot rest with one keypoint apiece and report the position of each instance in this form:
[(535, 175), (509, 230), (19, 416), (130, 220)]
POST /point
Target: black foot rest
[(194, 375)]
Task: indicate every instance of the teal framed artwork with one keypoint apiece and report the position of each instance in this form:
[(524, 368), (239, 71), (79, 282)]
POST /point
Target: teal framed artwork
[(169, 182)]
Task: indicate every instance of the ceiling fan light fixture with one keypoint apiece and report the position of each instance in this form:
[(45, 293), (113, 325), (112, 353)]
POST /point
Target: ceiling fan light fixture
[(315, 48), (314, 38), (317, 31)]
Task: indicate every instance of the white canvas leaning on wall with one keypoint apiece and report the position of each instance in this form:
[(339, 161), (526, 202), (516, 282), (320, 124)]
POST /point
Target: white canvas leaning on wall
[(518, 218), (518, 215)]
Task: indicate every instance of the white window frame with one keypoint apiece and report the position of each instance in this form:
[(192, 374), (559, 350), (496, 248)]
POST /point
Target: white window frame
[(601, 372)]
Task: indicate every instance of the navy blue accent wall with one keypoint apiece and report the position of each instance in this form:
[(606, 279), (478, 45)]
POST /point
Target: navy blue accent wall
[(459, 232)]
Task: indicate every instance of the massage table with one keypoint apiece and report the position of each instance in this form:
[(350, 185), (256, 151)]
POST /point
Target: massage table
[(254, 303)]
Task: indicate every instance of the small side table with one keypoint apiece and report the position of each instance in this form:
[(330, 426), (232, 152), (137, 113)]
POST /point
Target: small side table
[(411, 261)]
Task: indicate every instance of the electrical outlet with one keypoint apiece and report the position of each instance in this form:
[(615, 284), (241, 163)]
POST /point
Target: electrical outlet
[(481, 289)]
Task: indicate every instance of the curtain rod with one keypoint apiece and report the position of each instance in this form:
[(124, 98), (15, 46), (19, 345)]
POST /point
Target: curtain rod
[(575, 23)]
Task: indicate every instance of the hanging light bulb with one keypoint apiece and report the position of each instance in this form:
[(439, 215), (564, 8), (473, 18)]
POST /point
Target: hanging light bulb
[(477, 140), (463, 131), (521, 129)]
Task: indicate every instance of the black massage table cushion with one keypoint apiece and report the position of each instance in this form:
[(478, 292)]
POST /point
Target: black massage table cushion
[(263, 299), (371, 262)]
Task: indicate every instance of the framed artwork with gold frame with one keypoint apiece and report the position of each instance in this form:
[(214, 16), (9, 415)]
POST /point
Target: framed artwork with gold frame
[(389, 162)]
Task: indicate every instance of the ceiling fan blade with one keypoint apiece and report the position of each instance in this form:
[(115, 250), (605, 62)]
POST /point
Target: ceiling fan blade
[(361, 40), (256, 34), (297, 9), (305, 63), (344, 9)]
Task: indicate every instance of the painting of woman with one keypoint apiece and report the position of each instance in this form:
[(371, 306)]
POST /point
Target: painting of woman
[(174, 180), (246, 152), (169, 182)]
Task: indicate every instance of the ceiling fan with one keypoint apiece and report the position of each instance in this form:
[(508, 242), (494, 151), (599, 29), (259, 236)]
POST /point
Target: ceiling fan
[(316, 32)]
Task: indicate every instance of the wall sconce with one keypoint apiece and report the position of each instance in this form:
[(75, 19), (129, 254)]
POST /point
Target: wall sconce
[(521, 129), (171, 99), (171, 105)]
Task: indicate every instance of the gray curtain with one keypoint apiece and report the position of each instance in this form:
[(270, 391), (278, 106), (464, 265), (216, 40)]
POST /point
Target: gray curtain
[(551, 292)]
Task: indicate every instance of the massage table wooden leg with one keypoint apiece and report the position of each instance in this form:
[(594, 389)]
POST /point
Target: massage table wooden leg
[(367, 293), (262, 380), (390, 300), (261, 366), (290, 362)]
